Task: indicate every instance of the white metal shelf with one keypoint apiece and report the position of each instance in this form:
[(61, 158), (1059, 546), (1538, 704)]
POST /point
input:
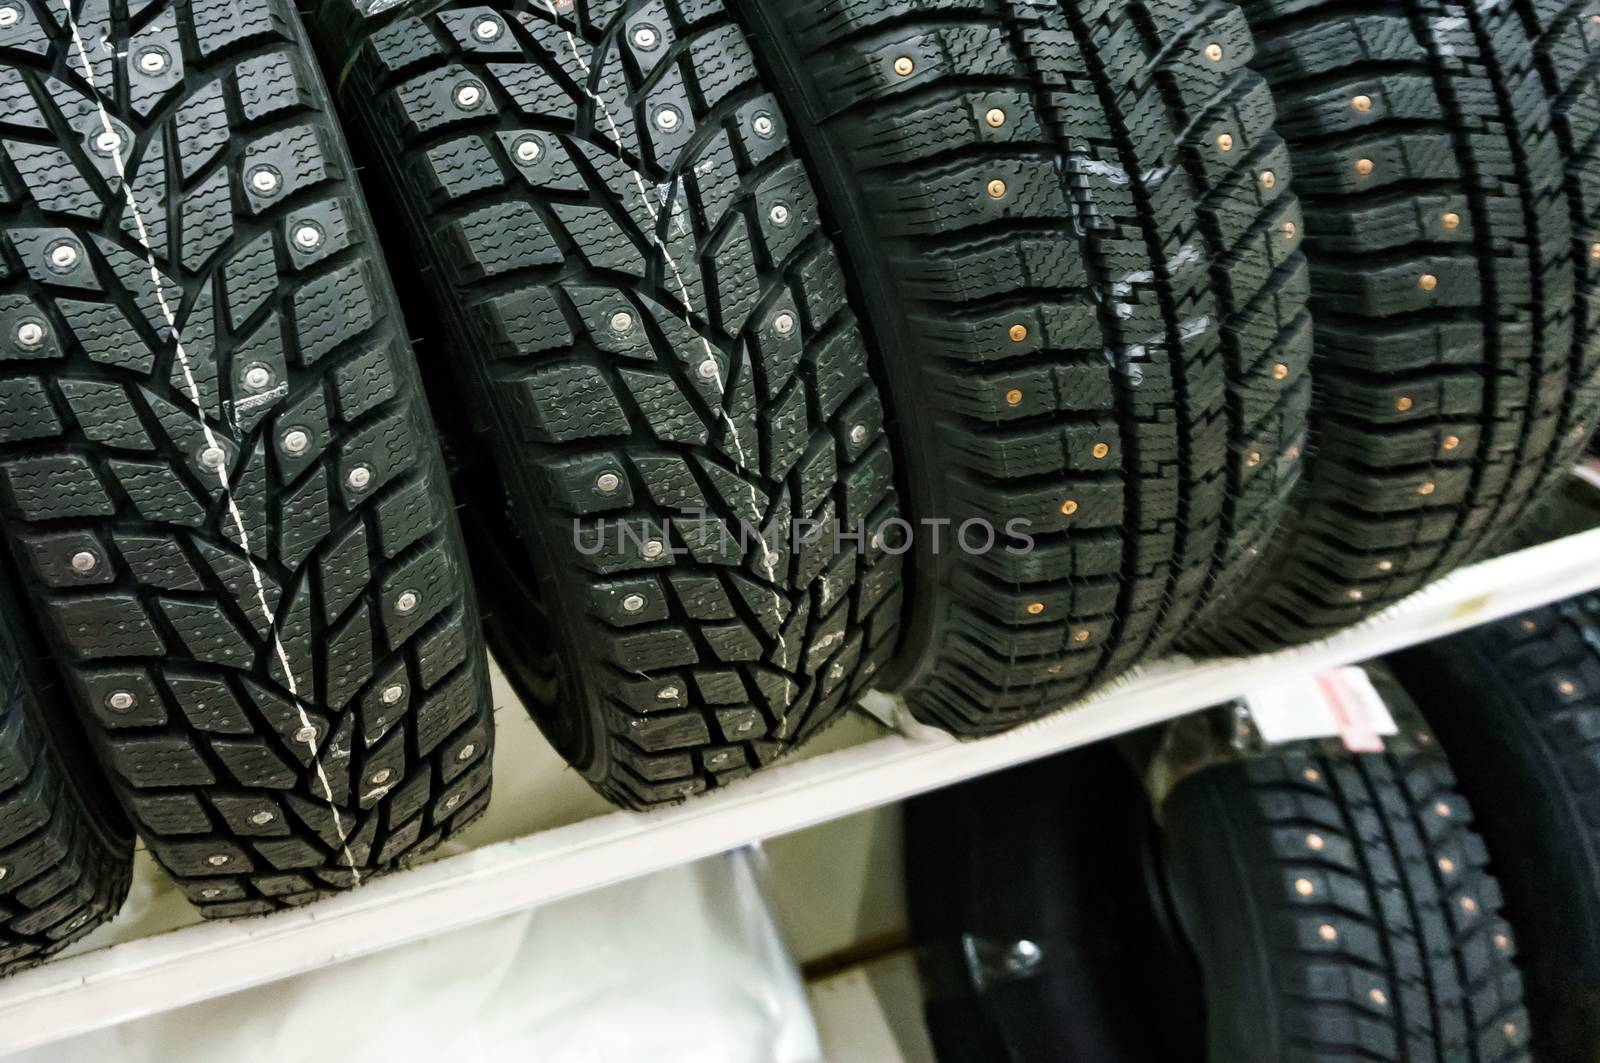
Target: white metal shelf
[(201, 961)]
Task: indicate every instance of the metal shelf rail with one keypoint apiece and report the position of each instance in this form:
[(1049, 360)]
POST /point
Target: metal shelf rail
[(198, 962)]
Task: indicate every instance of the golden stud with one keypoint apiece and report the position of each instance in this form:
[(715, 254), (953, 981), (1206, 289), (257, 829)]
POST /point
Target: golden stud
[(1447, 865), (996, 117), (1100, 450), (1214, 52), (1404, 403), (1428, 281), (1069, 507), (1280, 371), (1364, 167), (1327, 932), (1081, 635), (1035, 608), (1314, 842), (1377, 997), (1290, 230), (1019, 333), (1427, 488), (997, 188), (1268, 179), (904, 66), (1452, 222), (1452, 442), (1362, 103), (1013, 397), (1225, 142), (1304, 887), (1469, 905)]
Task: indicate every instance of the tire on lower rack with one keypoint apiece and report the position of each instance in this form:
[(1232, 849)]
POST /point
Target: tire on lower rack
[(1071, 228), (628, 261), (66, 850), (1516, 704), (1444, 152), (1296, 904), (217, 472)]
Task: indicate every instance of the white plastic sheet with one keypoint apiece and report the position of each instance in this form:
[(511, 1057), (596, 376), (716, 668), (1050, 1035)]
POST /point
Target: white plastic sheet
[(683, 965)]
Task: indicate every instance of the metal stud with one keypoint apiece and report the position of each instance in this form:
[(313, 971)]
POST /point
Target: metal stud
[(381, 776), (1510, 1030), (1290, 230), (1315, 842), (63, 257), (264, 180), (1452, 221), (454, 800), (1268, 179), (646, 37), (1304, 887), (996, 117), (121, 700), (667, 119), (1404, 403), (1214, 52), (1225, 142), (708, 369), (307, 735), (9, 17), (1502, 942), (1035, 608), (107, 141), (30, 335), (84, 562), (1567, 687), (1530, 626), (257, 377), (1469, 905), (1018, 333), (1280, 371), (469, 95), (213, 458), (1385, 565), (1427, 488), (527, 149), (307, 237), (997, 189), (633, 603), (1100, 450), (1355, 594), (621, 322), (262, 818), (607, 483), (783, 324), (1362, 103), (653, 549), (904, 66), (1428, 282), (858, 433), (1441, 809), (668, 694), (1081, 635), (218, 859), (1378, 997), (1452, 442), (1364, 167), (210, 893), (466, 752), (487, 29), (1069, 507), (296, 440), (407, 601), (1447, 865), (1327, 932), (1254, 459), (359, 477), (764, 125), (1013, 397), (779, 214), (1311, 775), (1594, 252), (152, 60), (392, 693)]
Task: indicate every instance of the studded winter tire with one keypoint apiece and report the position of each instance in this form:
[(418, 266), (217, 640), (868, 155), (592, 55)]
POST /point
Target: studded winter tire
[(1517, 706), (218, 477), (66, 850), (629, 261), (1445, 153), (1071, 230)]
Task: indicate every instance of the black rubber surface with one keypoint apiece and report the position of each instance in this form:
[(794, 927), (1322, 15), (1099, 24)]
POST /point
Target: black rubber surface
[(1071, 229), (653, 331), (1517, 705), (1340, 908), (66, 850), (217, 473), (1445, 153)]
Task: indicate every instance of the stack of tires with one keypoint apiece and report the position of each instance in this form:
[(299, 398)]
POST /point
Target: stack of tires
[(977, 350)]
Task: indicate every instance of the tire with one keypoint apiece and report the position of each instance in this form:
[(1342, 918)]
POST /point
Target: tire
[(640, 357), (66, 850), (1444, 153), (1296, 904), (229, 632), (1115, 367), (1514, 703)]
